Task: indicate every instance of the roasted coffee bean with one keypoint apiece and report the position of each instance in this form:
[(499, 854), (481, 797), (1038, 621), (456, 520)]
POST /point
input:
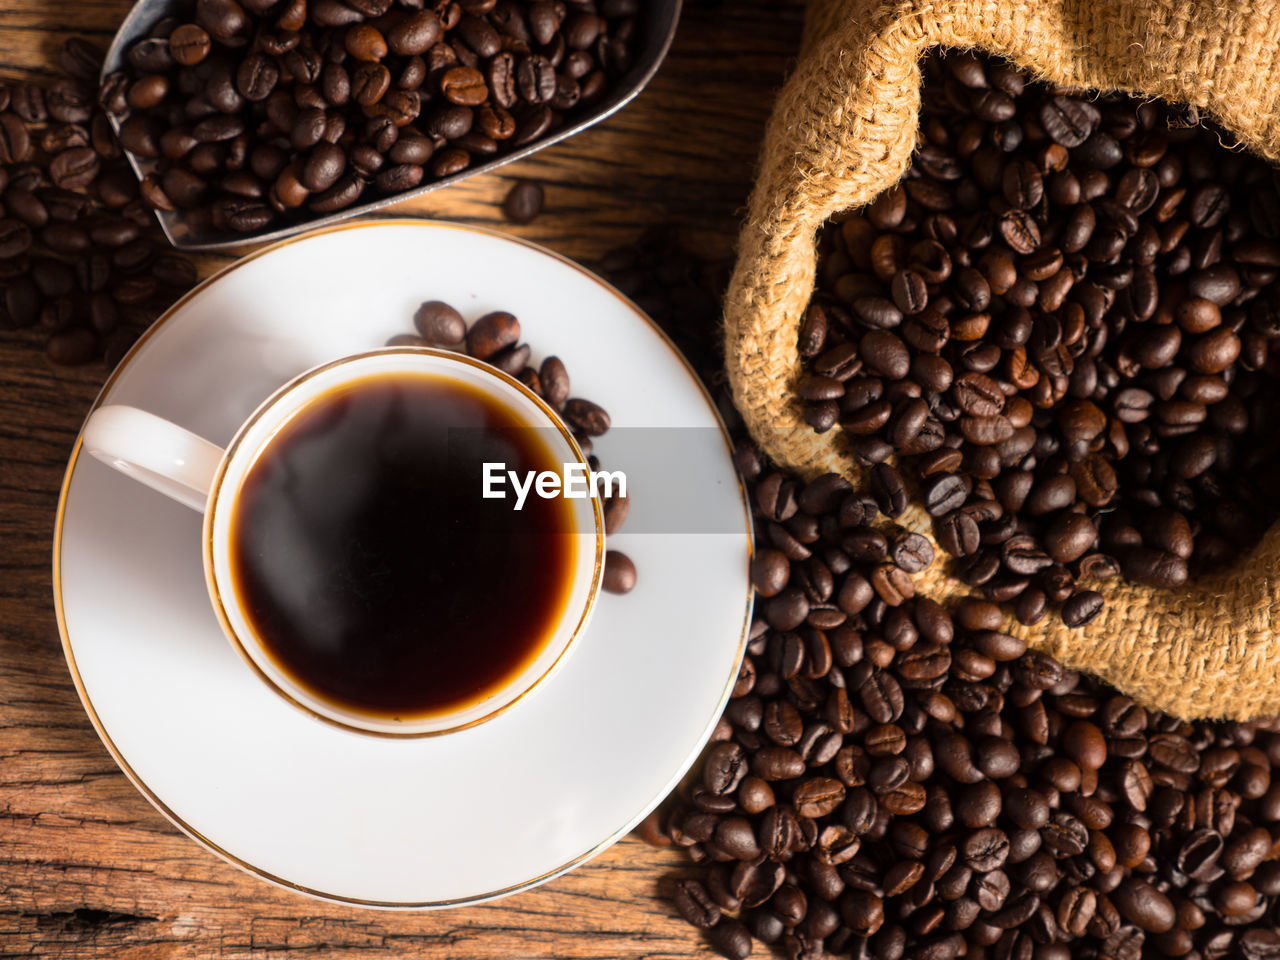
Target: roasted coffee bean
[(695, 904), (15, 238), (1082, 607), (256, 77), (189, 44), (492, 333), (1144, 906), (72, 346), (619, 572), (464, 86), (1067, 120), (15, 142), (439, 324), (75, 169), (555, 381), (398, 178), (323, 167), (731, 939), (415, 35), (523, 202), (80, 59)]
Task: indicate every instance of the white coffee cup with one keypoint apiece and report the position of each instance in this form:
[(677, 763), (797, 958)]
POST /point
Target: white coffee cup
[(207, 478)]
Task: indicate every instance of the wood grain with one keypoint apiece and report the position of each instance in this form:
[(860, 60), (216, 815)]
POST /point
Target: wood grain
[(88, 869)]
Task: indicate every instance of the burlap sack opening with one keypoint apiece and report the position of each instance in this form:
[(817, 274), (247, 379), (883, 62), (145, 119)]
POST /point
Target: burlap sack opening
[(843, 130)]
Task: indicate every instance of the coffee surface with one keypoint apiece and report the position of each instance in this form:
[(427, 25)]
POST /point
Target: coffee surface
[(370, 566)]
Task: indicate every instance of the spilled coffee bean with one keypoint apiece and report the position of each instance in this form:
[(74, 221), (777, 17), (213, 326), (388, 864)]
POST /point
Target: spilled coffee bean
[(523, 202)]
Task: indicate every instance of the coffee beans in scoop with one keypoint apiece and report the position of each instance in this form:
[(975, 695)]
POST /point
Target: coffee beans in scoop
[(1062, 323), (250, 115), (495, 339)]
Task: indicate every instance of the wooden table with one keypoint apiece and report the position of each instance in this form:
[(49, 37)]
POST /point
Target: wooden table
[(87, 867)]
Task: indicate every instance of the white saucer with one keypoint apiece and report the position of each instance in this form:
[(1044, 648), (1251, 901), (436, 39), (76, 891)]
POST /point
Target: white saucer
[(416, 823)]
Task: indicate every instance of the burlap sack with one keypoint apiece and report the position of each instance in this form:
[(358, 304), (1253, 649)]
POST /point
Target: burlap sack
[(843, 130)]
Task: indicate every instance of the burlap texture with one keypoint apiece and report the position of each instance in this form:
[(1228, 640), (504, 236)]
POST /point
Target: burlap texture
[(843, 130)]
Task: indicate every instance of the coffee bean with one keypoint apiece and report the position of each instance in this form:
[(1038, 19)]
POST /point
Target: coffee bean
[(189, 44), (224, 20), (1019, 231), (912, 553), (72, 347), (885, 353), (365, 42), (415, 35), (555, 381), (523, 202), (75, 169), (398, 178), (695, 904), (27, 100), (586, 416), (440, 324), (80, 59), (1070, 537), (491, 333), (1082, 607), (888, 489), (619, 572), (342, 194), (1144, 906), (15, 142), (323, 167), (731, 939), (1214, 352), (256, 77), (770, 571), (1154, 567), (15, 238), (465, 86), (1068, 121)]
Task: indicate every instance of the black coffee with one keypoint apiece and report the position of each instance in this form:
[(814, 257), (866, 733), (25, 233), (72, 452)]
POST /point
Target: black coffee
[(370, 566)]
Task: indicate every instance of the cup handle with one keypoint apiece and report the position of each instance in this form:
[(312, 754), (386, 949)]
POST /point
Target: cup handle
[(154, 451)]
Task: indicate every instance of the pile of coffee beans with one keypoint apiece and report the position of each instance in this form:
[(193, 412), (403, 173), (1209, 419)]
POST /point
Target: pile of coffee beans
[(80, 255), (892, 780), (277, 110), (495, 339), (1062, 324)]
